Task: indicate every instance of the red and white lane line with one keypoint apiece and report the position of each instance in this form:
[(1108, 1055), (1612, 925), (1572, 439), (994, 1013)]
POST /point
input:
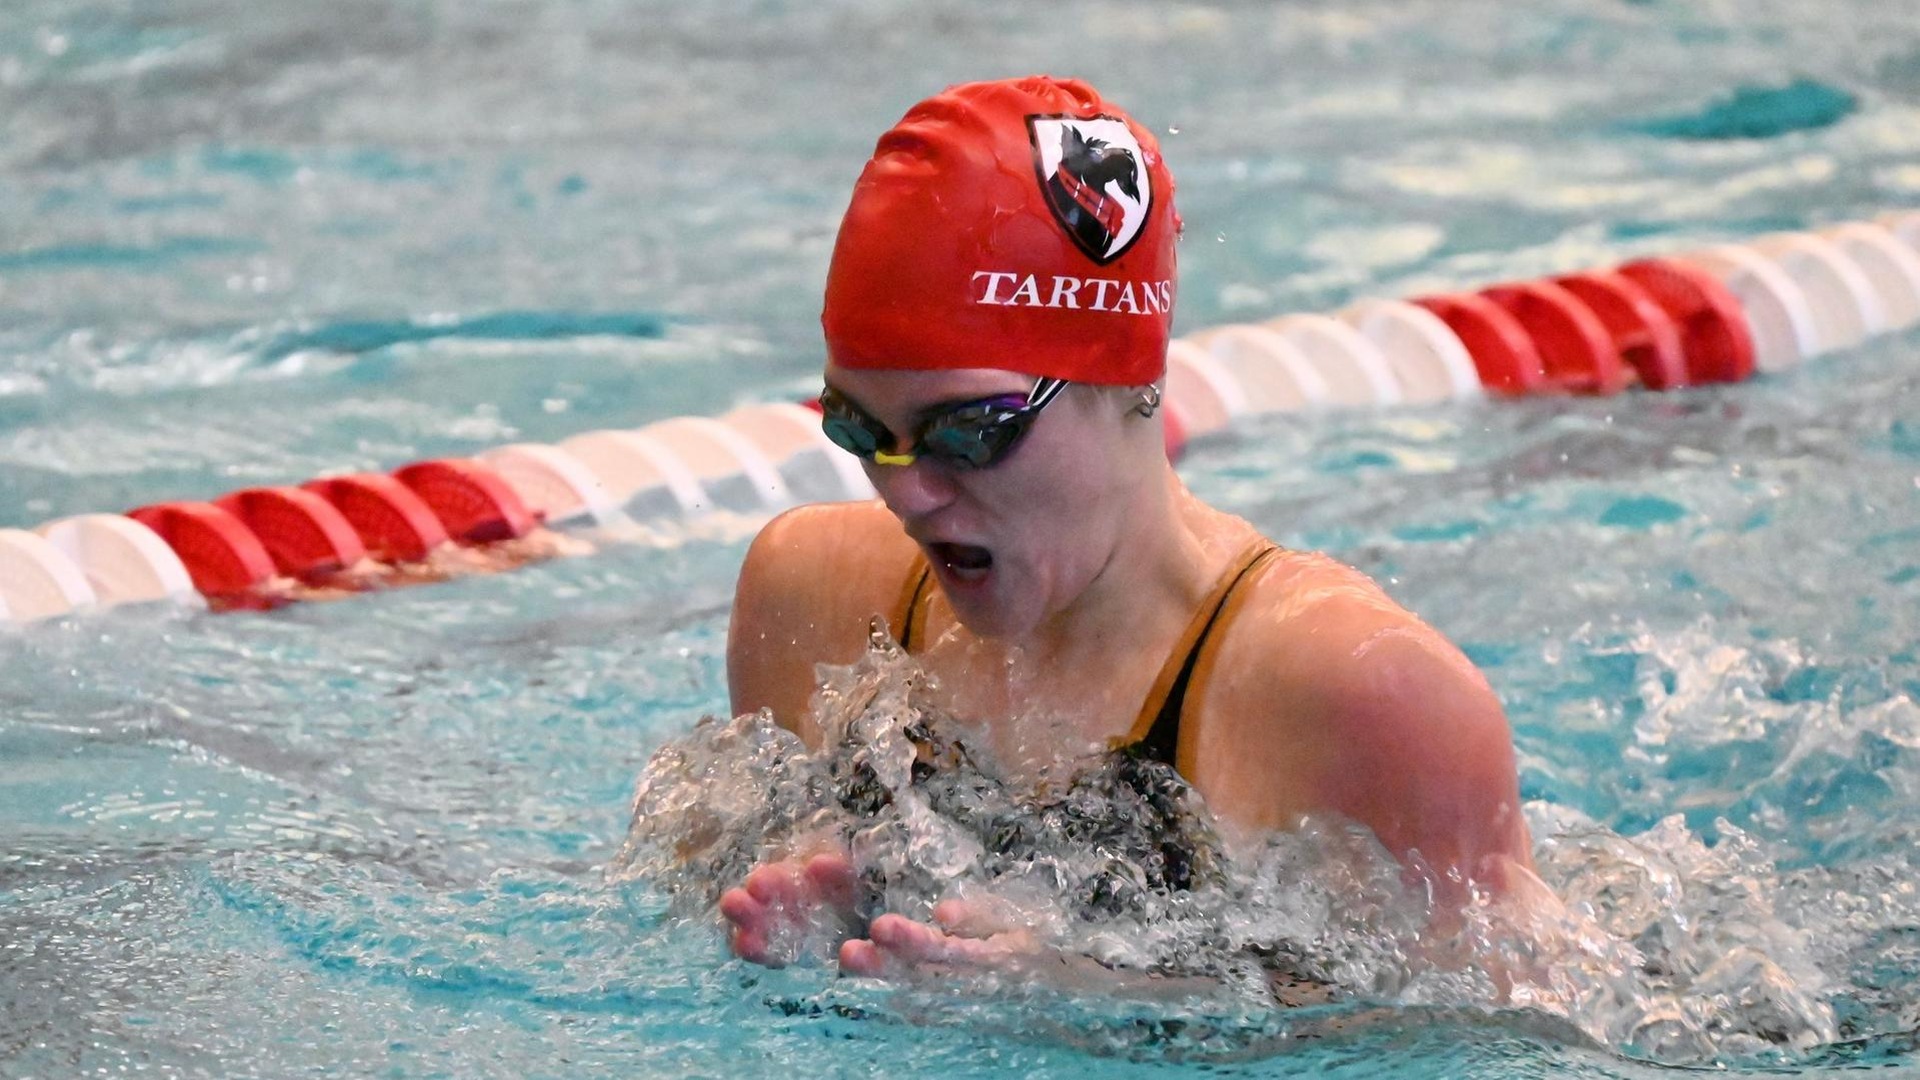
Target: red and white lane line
[(1714, 315)]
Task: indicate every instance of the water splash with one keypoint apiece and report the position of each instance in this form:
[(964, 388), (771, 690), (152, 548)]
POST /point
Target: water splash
[(1675, 950), (1669, 947)]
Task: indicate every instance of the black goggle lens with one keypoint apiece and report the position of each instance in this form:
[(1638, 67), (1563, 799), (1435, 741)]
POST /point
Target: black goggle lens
[(977, 434), (851, 431), (969, 436)]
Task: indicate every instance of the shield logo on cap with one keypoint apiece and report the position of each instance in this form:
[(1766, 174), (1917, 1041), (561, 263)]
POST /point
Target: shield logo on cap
[(1096, 181)]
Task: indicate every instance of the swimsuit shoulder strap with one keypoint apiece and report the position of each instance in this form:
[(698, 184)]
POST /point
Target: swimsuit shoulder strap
[(1156, 732), (909, 612)]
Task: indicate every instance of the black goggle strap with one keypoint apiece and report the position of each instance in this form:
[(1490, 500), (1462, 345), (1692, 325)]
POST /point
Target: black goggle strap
[(1044, 391)]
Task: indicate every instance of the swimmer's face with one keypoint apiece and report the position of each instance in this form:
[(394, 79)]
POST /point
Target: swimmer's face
[(1018, 541)]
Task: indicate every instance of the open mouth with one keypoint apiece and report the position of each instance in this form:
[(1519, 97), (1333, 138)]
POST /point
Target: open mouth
[(961, 558)]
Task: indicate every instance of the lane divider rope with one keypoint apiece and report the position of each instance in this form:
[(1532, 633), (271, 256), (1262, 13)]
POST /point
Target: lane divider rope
[(1713, 315)]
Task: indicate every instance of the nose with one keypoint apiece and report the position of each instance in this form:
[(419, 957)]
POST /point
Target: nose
[(913, 491)]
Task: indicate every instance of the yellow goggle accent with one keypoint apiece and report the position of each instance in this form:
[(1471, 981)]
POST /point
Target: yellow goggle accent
[(881, 457)]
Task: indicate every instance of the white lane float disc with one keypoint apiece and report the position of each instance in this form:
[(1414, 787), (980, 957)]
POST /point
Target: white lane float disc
[(640, 473), (1428, 360), (728, 464), (123, 561), (1273, 374), (1355, 372), (1845, 303), (553, 483), (37, 580), (1904, 224), (1891, 267), (1204, 392), (1778, 313), (789, 435)]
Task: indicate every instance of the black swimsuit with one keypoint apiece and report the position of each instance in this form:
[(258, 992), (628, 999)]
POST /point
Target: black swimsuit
[(1156, 732)]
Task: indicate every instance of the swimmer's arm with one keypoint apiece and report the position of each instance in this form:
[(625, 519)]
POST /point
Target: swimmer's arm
[(812, 579), (1422, 754), (1425, 759), (1331, 699)]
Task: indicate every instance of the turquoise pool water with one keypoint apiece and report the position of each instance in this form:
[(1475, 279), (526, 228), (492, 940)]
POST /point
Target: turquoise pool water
[(248, 243)]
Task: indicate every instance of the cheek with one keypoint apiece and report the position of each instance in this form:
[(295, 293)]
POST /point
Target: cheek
[(1058, 497), (1060, 512)]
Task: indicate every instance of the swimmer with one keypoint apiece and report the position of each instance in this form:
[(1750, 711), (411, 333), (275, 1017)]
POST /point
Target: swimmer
[(997, 314)]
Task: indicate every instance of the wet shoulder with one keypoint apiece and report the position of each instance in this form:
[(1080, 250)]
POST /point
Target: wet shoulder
[(1329, 697), (812, 579), (838, 549), (1309, 618), (1275, 713), (1314, 683), (1304, 591)]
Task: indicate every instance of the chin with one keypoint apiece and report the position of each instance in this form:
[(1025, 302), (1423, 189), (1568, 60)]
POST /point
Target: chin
[(993, 617)]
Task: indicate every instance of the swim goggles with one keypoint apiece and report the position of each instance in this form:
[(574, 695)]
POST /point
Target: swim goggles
[(970, 435)]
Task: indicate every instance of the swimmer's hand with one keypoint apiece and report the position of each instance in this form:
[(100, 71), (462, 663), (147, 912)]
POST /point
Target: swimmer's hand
[(970, 936), (959, 936), (782, 906)]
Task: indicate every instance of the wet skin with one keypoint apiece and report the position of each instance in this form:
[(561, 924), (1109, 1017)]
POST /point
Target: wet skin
[(1325, 698)]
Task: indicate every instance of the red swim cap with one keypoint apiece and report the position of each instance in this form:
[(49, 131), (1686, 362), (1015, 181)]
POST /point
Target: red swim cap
[(1026, 225)]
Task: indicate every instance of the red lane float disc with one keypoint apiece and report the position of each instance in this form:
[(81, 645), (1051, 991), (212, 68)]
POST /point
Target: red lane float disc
[(393, 523), (1503, 354), (1575, 348), (1642, 333), (302, 531), (475, 503), (1713, 330), (222, 556)]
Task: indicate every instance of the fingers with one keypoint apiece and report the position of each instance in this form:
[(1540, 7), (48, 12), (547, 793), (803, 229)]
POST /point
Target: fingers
[(834, 880), (769, 906), (896, 944), (749, 919), (969, 918), (770, 913), (739, 906), (777, 884), (862, 957), (775, 909), (908, 940)]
